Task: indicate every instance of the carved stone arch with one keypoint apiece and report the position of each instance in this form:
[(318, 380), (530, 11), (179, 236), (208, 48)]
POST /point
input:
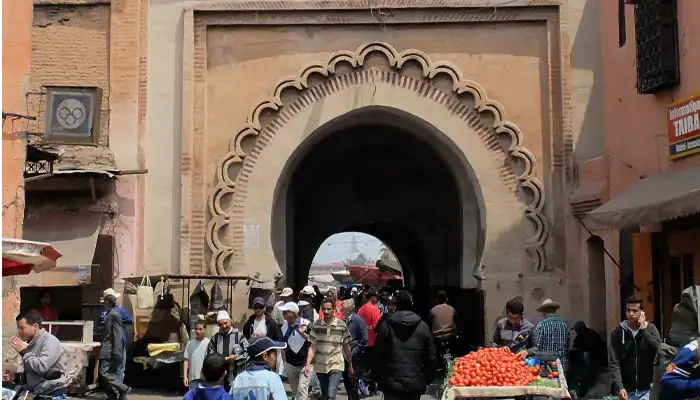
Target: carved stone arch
[(343, 70)]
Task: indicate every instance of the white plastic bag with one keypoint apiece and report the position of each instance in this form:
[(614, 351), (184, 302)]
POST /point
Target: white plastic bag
[(145, 298)]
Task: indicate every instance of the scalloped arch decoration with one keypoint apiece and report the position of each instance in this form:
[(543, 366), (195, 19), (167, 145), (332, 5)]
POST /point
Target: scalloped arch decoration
[(227, 182)]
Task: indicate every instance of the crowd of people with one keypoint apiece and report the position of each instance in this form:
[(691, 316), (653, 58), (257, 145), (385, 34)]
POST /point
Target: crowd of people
[(371, 342)]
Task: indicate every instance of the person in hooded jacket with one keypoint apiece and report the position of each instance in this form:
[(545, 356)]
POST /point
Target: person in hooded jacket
[(632, 350), (405, 353), (261, 323)]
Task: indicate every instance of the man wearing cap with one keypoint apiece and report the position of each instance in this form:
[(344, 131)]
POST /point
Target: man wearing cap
[(295, 334), (126, 320), (306, 308), (112, 351), (261, 323), (259, 381), (230, 343), (551, 335), (285, 297)]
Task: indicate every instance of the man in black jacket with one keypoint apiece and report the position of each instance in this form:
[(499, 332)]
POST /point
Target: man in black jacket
[(632, 349), (261, 323), (112, 351), (405, 353)]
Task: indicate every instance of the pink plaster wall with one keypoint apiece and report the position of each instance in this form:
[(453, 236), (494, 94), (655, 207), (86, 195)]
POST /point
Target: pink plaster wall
[(635, 125)]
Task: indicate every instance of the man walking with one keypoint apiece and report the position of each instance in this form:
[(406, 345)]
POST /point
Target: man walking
[(295, 334), (405, 353), (285, 297), (370, 314), (552, 333), (514, 331), (230, 343), (126, 320), (358, 343), (330, 348), (631, 353), (112, 351)]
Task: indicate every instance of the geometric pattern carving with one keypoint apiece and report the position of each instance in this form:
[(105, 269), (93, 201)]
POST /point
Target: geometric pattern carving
[(226, 181)]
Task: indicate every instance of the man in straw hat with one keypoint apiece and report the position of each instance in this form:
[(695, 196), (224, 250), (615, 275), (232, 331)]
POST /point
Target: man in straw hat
[(552, 333), (126, 320)]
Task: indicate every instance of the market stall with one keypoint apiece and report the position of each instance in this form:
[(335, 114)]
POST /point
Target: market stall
[(162, 326), (498, 373)]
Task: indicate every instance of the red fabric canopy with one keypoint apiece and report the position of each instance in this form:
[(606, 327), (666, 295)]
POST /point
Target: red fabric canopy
[(370, 275), (20, 257)]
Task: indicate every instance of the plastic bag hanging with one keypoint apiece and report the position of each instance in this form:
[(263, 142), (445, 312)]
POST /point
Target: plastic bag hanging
[(199, 300), (217, 298)]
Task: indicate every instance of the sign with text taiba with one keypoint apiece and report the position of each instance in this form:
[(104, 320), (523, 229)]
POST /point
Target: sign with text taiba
[(683, 121)]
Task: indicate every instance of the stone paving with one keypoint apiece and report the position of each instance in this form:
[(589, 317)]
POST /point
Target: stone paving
[(145, 394)]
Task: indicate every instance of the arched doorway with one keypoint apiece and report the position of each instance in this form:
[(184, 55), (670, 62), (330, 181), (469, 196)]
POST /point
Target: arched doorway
[(419, 197), (351, 176), (446, 136)]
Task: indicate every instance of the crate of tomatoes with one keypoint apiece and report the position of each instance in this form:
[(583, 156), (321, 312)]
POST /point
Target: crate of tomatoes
[(496, 372)]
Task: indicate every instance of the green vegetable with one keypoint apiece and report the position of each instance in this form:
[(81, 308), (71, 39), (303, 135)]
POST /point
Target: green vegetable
[(544, 383)]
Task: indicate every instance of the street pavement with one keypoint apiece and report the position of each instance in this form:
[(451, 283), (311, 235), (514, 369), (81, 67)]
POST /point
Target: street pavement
[(145, 394)]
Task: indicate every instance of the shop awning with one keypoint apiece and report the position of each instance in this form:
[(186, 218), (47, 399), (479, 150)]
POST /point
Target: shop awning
[(655, 199), (20, 257), (75, 233)]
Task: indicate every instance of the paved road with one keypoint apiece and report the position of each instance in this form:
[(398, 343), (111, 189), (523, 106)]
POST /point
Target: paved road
[(143, 394)]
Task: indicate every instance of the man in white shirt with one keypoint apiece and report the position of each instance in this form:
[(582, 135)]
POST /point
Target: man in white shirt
[(195, 352)]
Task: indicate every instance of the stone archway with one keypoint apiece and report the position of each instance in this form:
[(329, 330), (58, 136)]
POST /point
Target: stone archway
[(375, 74)]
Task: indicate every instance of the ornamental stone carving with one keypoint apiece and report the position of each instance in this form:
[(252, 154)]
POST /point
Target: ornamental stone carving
[(231, 174)]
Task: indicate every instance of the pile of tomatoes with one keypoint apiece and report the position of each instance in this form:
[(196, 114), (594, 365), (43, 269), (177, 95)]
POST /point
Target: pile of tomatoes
[(492, 367)]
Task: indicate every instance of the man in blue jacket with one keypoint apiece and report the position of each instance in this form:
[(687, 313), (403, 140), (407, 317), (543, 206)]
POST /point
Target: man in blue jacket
[(682, 377), (126, 320)]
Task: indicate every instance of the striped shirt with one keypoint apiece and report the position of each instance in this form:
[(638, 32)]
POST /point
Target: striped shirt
[(329, 340)]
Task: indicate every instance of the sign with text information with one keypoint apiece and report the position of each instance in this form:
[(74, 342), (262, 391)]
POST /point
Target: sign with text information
[(683, 121)]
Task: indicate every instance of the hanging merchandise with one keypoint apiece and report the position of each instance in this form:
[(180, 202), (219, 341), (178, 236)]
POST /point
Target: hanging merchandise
[(217, 298), (199, 300), (145, 297)]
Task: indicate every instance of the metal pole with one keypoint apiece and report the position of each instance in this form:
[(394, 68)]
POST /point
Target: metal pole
[(607, 253)]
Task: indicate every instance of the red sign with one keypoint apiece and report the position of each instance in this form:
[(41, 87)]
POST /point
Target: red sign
[(684, 127)]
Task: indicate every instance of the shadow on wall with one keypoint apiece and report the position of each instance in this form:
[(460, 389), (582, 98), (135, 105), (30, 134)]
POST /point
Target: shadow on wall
[(586, 63)]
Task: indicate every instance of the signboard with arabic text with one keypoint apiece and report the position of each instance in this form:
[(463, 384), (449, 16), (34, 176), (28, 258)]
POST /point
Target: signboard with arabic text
[(683, 120)]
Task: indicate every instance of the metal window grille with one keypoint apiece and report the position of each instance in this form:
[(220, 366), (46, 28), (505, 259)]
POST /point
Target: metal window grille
[(656, 34)]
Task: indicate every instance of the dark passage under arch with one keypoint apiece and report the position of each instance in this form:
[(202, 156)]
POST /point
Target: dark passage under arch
[(385, 173)]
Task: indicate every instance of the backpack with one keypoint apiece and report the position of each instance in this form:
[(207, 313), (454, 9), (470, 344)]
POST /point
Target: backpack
[(685, 327)]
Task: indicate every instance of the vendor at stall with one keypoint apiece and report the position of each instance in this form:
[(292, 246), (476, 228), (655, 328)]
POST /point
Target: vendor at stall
[(514, 331), (47, 312), (230, 343)]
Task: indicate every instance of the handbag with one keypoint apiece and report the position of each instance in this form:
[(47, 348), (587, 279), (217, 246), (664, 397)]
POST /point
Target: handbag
[(145, 297), (199, 300)]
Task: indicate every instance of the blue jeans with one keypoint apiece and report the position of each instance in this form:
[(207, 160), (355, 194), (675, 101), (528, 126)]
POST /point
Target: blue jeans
[(329, 384), (122, 367), (638, 395)]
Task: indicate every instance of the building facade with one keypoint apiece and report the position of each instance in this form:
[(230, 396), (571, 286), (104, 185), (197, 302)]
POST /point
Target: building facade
[(465, 126), (16, 23), (639, 199)]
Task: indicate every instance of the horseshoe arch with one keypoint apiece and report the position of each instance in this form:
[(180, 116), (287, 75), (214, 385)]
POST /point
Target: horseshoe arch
[(439, 87)]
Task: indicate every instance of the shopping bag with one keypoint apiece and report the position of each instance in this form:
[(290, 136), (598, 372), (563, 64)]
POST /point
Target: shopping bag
[(217, 298), (199, 300), (145, 298)]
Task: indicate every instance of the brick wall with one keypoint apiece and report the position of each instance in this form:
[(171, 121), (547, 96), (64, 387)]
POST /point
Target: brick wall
[(70, 47)]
